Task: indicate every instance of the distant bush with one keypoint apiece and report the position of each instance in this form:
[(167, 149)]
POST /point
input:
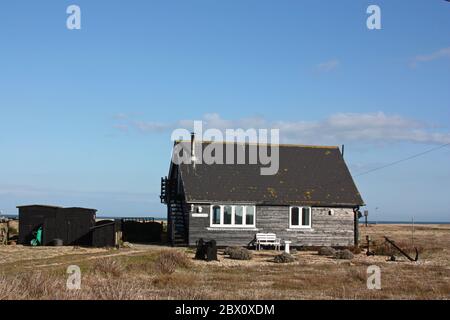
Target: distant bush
[(344, 254), (326, 251), (284, 258), (13, 231), (228, 250), (169, 260), (238, 253)]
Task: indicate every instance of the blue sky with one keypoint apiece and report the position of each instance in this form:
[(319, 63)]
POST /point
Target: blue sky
[(86, 115)]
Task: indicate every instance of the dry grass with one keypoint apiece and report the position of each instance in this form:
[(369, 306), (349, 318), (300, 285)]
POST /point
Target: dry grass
[(10, 288), (41, 286), (105, 289), (355, 249), (432, 241), (35, 286), (109, 267), (169, 260), (175, 280), (152, 273)]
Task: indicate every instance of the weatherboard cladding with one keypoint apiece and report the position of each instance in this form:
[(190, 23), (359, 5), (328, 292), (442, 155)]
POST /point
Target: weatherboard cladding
[(326, 230), (307, 175)]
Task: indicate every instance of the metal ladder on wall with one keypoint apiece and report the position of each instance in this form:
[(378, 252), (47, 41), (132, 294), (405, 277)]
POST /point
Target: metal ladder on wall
[(177, 226)]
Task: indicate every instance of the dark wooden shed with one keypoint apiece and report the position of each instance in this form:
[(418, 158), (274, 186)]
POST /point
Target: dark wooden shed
[(104, 233), (71, 225), (141, 230)]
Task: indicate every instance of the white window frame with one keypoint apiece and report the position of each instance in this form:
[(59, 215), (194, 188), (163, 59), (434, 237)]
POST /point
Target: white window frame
[(300, 218), (233, 224), (211, 213)]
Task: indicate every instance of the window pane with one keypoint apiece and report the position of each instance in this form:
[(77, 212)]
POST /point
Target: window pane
[(305, 216), (250, 215), (295, 216), (239, 214), (216, 215), (227, 215)]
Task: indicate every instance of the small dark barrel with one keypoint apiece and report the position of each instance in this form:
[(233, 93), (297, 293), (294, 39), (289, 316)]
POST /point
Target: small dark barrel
[(211, 251), (201, 250), (57, 243), (206, 250)]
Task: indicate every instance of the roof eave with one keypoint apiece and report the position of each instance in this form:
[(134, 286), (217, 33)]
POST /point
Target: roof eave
[(270, 203)]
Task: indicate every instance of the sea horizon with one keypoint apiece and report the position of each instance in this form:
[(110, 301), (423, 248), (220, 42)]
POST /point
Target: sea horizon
[(361, 221)]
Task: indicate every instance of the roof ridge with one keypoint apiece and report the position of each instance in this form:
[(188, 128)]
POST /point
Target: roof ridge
[(259, 143)]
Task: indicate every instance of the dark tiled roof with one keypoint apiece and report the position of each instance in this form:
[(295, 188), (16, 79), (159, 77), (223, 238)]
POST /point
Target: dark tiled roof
[(307, 175)]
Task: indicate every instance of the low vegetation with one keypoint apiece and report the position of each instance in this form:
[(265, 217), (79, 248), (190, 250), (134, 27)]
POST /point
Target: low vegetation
[(169, 260), (238, 253), (344, 254), (326, 251), (44, 286), (147, 272), (108, 267), (284, 258)]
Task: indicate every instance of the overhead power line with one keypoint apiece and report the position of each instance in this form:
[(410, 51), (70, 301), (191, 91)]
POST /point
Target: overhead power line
[(405, 159)]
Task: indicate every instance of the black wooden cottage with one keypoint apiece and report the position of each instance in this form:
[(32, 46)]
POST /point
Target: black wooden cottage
[(312, 200)]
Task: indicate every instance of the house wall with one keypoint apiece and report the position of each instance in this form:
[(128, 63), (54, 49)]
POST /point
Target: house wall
[(326, 230)]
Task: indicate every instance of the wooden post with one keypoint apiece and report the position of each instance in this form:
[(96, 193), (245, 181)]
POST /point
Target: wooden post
[(366, 214), (7, 231)]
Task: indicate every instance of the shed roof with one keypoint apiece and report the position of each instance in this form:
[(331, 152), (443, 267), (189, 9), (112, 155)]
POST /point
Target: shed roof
[(39, 205), (54, 207)]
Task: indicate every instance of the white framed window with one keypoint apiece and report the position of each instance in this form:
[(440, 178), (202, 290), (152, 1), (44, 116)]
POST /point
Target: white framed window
[(227, 215), (240, 216), (215, 214), (300, 217), (250, 215)]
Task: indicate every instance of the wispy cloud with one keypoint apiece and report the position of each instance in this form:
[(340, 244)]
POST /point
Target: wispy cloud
[(443, 53), (328, 66), (32, 191), (121, 203), (376, 128), (122, 127)]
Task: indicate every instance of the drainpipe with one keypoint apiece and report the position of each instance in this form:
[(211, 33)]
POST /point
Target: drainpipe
[(356, 226)]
